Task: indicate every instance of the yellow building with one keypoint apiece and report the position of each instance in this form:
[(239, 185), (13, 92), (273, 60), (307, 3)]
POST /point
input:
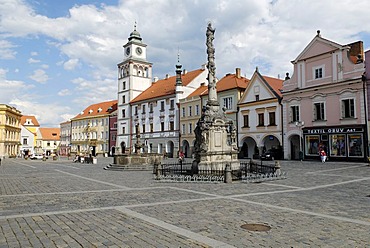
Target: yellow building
[(10, 131)]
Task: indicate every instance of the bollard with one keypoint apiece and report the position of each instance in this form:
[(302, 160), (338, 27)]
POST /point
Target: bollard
[(228, 177), (158, 172), (277, 168)]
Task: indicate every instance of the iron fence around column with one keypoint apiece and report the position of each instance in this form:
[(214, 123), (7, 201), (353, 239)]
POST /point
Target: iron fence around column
[(248, 171)]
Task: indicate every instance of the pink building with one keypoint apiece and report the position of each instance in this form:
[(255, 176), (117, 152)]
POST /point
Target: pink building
[(113, 131), (324, 103)]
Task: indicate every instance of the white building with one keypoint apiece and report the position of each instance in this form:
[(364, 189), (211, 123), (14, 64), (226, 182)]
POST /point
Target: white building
[(260, 116), (29, 127), (134, 76)]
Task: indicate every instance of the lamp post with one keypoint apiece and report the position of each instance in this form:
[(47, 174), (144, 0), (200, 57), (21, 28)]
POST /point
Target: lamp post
[(300, 124)]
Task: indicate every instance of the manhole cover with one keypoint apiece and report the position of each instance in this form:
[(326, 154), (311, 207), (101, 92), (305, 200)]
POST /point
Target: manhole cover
[(256, 227)]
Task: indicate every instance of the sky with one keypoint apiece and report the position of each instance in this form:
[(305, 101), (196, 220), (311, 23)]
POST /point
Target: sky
[(59, 57)]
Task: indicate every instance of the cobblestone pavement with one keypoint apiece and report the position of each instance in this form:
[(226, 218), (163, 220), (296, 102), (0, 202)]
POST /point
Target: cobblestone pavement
[(65, 204)]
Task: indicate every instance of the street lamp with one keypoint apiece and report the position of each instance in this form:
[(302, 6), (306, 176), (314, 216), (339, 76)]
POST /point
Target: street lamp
[(300, 124)]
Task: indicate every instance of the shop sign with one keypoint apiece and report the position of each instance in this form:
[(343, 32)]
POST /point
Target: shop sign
[(333, 130)]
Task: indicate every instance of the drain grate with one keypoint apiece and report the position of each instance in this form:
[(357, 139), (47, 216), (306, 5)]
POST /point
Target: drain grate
[(256, 227)]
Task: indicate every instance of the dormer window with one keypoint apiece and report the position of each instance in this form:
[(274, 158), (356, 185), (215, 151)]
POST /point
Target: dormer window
[(318, 72), (90, 111), (99, 110)]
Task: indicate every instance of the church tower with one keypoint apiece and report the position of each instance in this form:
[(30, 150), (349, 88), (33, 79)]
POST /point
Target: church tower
[(134, 76)]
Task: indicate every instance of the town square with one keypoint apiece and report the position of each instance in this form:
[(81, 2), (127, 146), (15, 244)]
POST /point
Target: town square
[(65, 204)]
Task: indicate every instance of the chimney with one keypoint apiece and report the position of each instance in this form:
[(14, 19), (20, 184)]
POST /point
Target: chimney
[(155, 79), (237, 72), (167, 76), (184, 72)]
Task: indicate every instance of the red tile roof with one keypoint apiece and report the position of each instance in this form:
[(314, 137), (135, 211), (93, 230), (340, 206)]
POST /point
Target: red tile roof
[(230, 81), (48, 133), (166, 86), (33, 119), (199, 91), (98, 109), (275, 83)]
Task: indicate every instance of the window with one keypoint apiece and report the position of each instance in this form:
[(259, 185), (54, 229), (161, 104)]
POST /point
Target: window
[(272, 119), (312, 144), (228, 102), (172, 104), (113, 137), (123, 99), (162, 126), (261, 120), (135, 110), (162, 105), (25, 141), (338, 145), (197, 109), (356, 148), (48, 143), (319, 113), (115, 125), (183, 112), (348, 108), (124, 85), (172, 125), (123, 113), (143, 109), (151, 127), (246, 120), (151, 108), (190, 111), (294, 110), (183, 129), (318, 73), (190, 128), (257, 97), (123, 130), (143, 128)]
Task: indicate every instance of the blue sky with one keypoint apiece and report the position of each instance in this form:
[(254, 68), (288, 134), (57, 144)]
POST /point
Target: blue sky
[(58, 57)]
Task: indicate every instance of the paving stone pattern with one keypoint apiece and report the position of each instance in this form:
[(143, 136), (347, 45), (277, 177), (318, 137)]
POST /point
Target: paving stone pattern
[(65, 204)]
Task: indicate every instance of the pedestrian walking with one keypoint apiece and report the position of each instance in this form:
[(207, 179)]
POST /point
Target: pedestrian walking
[(323, 155)]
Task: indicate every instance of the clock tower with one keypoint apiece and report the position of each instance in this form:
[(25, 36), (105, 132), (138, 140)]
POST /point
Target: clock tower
[(134, 76)]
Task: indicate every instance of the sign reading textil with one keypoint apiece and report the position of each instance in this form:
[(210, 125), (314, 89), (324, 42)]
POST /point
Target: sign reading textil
[(333, 130)]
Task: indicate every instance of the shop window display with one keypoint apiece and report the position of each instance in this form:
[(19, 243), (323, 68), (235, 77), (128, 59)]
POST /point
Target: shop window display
[(338, 145), (355, 146), (312, 144)]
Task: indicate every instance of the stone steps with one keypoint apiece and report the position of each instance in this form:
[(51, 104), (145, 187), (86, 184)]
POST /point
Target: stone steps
[(131, 167)]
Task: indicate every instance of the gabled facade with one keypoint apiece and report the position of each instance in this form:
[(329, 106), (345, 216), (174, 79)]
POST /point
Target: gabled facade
[(156, 112), (29, 127), (10, 130), (65, 138), (260, 117), (47, 141), (324, 102), (90, 129)]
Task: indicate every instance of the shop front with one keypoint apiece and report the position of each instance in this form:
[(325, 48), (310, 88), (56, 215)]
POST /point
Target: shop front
[(341, 143)]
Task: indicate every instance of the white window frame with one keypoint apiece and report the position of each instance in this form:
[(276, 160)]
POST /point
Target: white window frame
[(228, 102), (297, 115), (317, 68), (323, 117), (343, 108)]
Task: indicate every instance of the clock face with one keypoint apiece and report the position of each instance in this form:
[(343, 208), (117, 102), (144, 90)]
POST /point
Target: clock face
[(138, 50), (128, 51)]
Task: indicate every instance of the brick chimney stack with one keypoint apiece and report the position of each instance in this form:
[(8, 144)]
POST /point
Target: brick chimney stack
[(237, 72)]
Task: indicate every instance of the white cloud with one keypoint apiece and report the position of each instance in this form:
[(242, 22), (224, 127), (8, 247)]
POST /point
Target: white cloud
[(71, 64), (7, 49), (48, 115), (10, 89), (34, 53), (64, 92), (39, 76), (44, 66), (33, 61)]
